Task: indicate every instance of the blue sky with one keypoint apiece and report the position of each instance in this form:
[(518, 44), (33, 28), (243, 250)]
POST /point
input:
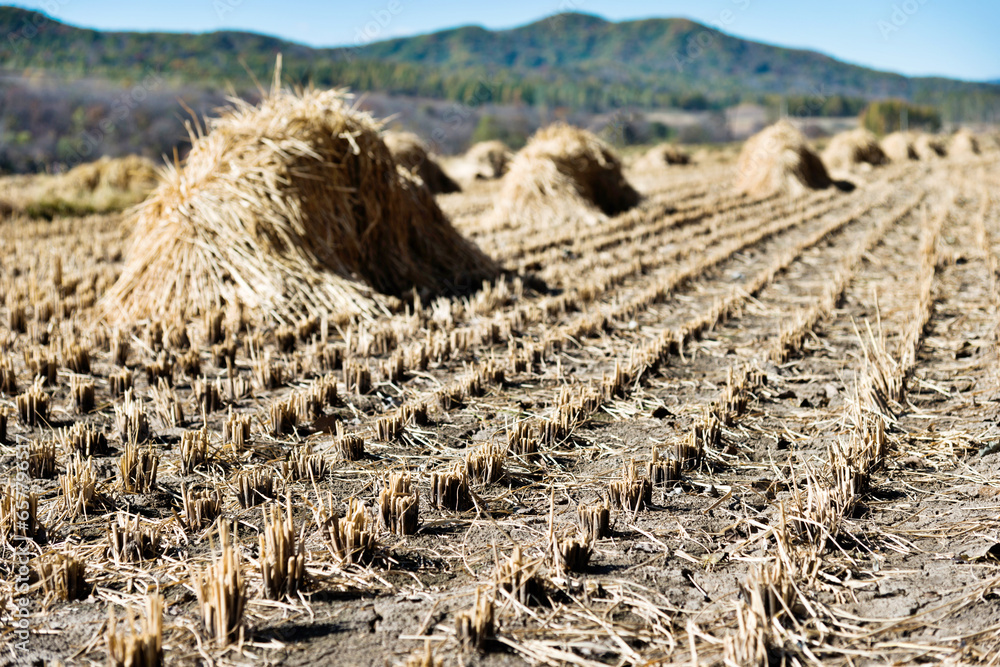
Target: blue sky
[(952, 38)]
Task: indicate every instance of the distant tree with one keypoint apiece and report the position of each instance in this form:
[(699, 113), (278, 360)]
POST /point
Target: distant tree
[(885, 116)]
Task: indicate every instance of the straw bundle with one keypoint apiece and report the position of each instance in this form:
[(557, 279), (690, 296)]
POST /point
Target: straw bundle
[(898, 147), (488, 160), (661, 156), (131, 172), (929, 147), (564, 175), (852, 148), (411, 154), (109, 184), (964, 143), (295, 207), (777, 159)]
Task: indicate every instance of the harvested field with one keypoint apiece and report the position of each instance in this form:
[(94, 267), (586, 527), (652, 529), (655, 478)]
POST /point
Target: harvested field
[(716, 428)]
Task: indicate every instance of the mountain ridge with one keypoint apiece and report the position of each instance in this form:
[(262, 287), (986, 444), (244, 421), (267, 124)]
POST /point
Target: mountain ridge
[(571, 59)]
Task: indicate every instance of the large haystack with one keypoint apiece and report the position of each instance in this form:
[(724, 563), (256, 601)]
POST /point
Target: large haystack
[(564, 175), (898, 147), (852, 148), (411, 154), (777, 159), (929, 147), (295, 206), (964, 144)]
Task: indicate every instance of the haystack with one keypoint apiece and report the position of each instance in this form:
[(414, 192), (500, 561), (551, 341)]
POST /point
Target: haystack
[(898, 147), (488, 160), (854, 147), (294, 206), (411, 154), (964, 144), (564, 175), (130, 172), (108, 184), (660, 156), (929, 147), (777, 159)]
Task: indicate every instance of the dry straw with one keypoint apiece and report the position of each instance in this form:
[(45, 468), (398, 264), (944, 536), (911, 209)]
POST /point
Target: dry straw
[(399, 504), (660, 156), (929, 147), (964, 144), (137, 649), (411, 154), (62, 576), (294, 206), (852, 148), (221, 591), (898, 147), (488, 160), (282, 555), (564, 176), (778, 160)]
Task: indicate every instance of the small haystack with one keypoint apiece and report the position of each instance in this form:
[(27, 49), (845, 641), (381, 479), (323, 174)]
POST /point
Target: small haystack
[(411, 154), (777, 159), (488, 160), (898, 147), (662, 155), (964, 144), (929, 147), (564, 175), (294, 206), (108, 184), (128, 173), (852, 148)]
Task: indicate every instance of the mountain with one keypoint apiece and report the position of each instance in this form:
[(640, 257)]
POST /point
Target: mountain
[(569, 60)]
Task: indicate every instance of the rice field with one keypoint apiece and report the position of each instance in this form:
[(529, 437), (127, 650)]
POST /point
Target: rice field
[(716, 428)]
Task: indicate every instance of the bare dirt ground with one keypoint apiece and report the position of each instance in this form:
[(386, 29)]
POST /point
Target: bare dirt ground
[(822, 368)]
